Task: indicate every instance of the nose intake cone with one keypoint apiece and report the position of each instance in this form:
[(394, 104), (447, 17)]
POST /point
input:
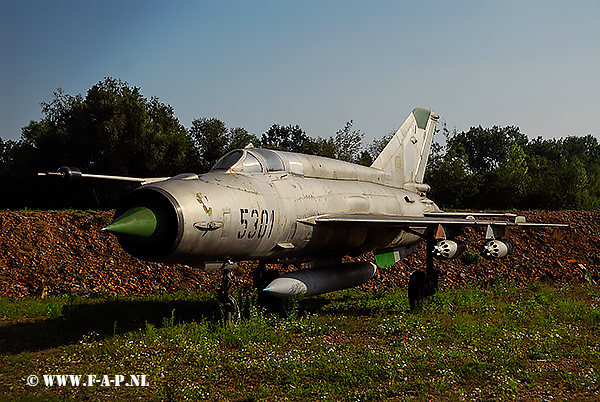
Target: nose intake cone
[(137, 221), (148, 223)]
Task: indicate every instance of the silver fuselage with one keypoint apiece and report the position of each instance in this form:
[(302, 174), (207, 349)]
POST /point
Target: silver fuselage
[(232, 215)]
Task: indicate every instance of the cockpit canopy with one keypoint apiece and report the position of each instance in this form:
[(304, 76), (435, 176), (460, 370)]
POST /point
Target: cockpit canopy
[(256, 160), (285, 164)]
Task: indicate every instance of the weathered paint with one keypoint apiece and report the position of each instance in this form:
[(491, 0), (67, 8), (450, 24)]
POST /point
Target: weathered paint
[(261, 204), (288, 207)]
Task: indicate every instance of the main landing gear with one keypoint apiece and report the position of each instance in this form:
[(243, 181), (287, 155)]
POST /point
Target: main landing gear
[(262, 278), (422, 285)]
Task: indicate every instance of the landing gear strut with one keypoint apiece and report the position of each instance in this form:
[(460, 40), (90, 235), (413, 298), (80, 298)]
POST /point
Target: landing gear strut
[(231, 311), (422, 285)]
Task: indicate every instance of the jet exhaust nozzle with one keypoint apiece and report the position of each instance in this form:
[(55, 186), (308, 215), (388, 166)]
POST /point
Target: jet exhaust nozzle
[(496, 249), (310, 282)]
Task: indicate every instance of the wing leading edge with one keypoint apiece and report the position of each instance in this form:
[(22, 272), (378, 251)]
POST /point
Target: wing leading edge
[(423, 222), (435, 228)]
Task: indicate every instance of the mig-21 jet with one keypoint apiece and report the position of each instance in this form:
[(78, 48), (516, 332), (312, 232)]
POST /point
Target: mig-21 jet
[(290, 208)]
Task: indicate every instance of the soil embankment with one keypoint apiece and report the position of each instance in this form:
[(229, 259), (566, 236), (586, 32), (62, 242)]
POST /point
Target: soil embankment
[(65, 252)]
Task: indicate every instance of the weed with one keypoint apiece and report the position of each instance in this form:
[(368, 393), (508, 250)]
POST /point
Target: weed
[(100, 219), (482, 343), (170, 321), (80, 214), (291, 307), (471, 257)]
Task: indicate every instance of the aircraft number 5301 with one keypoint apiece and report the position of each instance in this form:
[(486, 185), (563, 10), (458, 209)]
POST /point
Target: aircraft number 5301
[(256, 223)]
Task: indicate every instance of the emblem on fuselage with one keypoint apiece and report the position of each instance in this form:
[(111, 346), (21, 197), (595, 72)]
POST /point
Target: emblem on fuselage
[(203, 200)]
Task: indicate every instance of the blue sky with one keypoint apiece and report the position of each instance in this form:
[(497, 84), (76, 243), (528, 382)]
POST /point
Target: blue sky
[(318, 64)]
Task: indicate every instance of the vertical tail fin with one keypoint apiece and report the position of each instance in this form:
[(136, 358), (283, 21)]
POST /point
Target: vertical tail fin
[(405, 156)]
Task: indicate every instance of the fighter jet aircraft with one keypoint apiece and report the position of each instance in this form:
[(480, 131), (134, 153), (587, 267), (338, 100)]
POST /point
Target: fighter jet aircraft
[(291, 208)]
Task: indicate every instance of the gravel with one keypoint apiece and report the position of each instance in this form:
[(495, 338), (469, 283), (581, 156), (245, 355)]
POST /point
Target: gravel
[(65, 252)]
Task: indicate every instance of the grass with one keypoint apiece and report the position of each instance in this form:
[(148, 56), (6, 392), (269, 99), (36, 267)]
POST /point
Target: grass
[(474, 343)]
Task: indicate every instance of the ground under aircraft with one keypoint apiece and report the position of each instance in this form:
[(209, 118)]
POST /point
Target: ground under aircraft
[(291, 208)]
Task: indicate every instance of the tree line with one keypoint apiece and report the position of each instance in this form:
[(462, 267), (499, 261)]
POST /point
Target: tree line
[(115, 130), (501, 168)]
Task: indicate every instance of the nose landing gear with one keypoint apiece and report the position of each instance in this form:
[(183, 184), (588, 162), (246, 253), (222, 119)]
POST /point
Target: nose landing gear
[(231, 311)]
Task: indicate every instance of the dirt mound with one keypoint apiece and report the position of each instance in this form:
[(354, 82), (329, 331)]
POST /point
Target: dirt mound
[(66, 252)]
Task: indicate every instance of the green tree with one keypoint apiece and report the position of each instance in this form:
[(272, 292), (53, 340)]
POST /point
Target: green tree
[(586, 148), (239, 138), (452, 183), (287, 138), (486, 149), (112, 130), (3, 157), (505, 186), (348, 143), (365, 158), (574, 185), (322, 147), (500, 168), (378, 144), (564, 173), (293, 139), (211, 138), (7, 150)]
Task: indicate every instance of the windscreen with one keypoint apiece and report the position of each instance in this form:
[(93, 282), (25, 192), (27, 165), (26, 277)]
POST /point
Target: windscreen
[(228, 160)]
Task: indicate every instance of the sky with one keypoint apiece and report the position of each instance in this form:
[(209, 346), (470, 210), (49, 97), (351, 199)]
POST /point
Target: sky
[(314, 63)]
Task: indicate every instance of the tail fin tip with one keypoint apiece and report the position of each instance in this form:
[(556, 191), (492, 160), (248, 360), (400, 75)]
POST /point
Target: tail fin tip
[(422, 117)]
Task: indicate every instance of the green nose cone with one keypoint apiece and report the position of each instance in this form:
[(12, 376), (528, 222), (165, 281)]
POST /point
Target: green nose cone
[(138, 221)]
